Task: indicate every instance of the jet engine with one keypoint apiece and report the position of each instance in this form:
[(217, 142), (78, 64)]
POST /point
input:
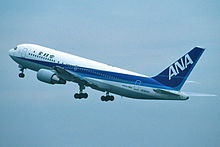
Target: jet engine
[(49, 76)]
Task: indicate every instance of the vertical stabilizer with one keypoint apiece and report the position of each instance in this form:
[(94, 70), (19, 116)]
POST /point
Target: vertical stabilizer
[(176, 74)]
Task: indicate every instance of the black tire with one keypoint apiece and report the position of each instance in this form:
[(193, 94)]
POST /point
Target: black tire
[(76, 96), (103, 98), (112, 98), (21, 75), (85, 95)]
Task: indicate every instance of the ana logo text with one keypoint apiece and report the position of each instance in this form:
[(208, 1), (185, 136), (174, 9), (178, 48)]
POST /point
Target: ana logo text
[(184, 62), (45, 55)]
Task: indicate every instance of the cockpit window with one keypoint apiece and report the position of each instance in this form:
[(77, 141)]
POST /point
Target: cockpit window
[(15, 48)]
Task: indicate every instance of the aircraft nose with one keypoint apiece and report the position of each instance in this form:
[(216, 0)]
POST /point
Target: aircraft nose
[(11, 52)]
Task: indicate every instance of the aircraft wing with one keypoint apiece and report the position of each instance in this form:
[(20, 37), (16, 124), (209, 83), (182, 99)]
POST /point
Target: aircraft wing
[(69, 75), (74, 77)]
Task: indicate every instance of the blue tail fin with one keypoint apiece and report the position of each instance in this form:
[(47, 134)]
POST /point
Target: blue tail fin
[(176, 74)]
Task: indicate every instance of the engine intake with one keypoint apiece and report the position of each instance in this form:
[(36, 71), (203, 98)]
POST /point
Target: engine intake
[(49, 76)]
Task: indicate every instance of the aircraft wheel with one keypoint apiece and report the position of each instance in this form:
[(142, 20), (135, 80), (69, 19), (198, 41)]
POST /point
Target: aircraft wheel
[(76, 96), (111, 98), (103, 98), (85, 95), (21, 75)]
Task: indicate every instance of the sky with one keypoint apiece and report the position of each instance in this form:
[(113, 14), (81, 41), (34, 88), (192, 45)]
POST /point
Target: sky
[(142, 36)]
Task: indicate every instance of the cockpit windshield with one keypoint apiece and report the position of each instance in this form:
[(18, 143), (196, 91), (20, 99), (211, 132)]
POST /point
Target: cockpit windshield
[(15, 48)]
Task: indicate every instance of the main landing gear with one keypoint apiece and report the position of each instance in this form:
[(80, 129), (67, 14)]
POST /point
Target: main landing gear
[(107, 97), (21, 75), (81, 95)]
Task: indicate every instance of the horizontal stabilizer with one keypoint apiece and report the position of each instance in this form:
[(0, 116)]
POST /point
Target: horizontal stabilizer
[(198, 94), (161, 91)]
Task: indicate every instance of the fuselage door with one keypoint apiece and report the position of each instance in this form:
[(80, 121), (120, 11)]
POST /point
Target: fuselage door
[(137, 85), (23, 52)]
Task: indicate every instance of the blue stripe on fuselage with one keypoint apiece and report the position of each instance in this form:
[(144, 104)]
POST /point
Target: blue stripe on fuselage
[(104, 75)]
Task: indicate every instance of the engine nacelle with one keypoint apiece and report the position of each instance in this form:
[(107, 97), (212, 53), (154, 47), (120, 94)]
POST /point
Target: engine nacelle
[(49, 76)]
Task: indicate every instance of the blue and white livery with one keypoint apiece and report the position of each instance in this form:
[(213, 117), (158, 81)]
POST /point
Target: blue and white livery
[(55, 67)]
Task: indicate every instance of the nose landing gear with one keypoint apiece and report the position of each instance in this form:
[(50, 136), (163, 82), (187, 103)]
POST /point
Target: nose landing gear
[(21, 75)]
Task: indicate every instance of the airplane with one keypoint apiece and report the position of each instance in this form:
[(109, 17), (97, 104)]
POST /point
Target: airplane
[(56, 67)]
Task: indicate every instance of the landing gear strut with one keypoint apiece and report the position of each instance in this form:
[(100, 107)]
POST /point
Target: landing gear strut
[(21, 75), (107, 97), (81, 95)]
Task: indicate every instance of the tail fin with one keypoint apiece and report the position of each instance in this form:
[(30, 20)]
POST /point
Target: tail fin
[(176, 74)]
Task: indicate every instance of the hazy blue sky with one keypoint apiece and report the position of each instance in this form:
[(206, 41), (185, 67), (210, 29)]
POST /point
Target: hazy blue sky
[(142, 36)]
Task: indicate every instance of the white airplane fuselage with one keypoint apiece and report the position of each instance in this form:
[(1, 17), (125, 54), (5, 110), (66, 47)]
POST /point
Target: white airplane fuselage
[(96, 75)]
